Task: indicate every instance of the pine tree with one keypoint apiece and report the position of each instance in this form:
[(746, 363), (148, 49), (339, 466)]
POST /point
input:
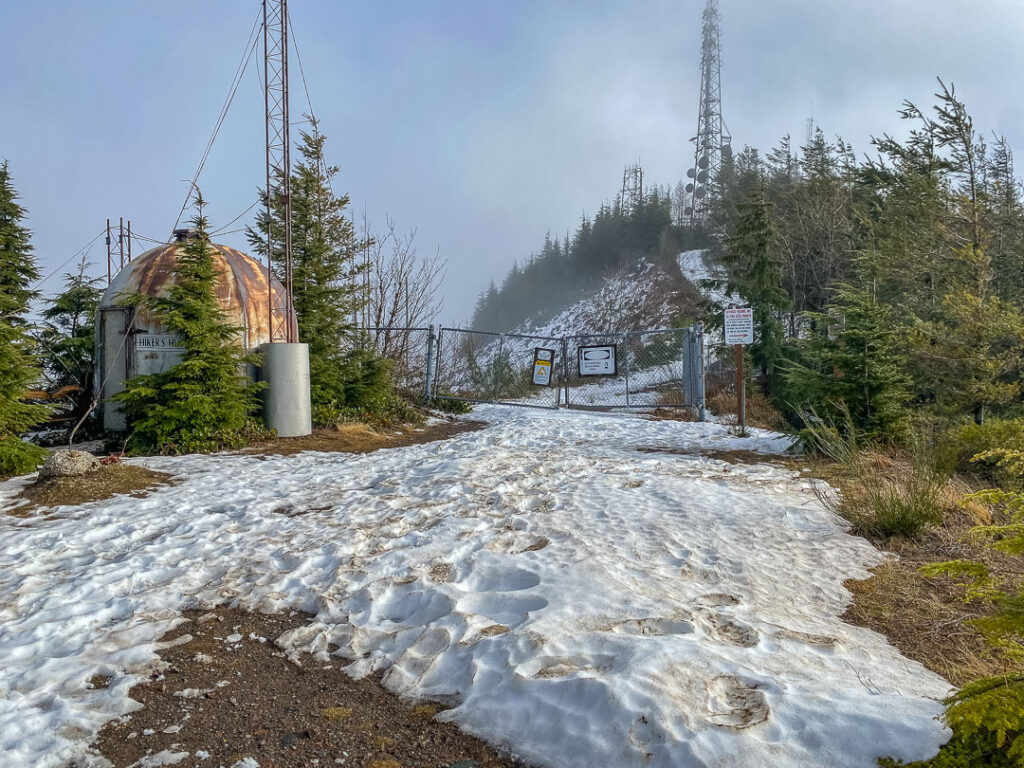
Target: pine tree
[(17, 363), (203, 402), (755, 275), (325, 286), (68, 336)]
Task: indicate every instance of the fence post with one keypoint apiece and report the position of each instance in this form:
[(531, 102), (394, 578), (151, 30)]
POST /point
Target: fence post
[(699, 339), (565, 370), (625, 359), (428, 377)]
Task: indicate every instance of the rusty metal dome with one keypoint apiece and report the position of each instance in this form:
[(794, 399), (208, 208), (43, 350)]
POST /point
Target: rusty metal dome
[(243, 289)]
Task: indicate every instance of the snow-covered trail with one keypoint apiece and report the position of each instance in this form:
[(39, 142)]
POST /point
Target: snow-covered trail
[(585, 603)]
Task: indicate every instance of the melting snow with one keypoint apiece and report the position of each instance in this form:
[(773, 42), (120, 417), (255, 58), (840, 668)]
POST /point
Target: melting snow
[(581, 601)]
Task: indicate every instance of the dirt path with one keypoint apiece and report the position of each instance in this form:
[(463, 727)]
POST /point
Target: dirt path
[(230, 694)]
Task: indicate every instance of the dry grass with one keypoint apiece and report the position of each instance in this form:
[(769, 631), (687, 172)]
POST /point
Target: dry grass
[(95, 486), (760, 412), (925, 618), (361, 438), (668, 410)]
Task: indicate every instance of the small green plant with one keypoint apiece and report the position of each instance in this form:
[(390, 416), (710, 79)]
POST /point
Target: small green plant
[(976, 441), (18, 457), (449, 406)]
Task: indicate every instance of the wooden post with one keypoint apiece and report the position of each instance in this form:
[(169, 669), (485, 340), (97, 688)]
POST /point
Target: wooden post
[(741, 386)]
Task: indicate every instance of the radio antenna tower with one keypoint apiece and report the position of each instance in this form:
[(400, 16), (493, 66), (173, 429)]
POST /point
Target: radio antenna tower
[(712, 137), (632, 188), (275, 97)]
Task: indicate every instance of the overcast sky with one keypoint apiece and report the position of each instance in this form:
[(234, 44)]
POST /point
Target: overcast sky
[(481, 124)]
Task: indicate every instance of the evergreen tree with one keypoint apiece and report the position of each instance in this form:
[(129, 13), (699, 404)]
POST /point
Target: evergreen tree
[(17, 364), (68, 336), (754, 274), (851, 362), (203, 402), (325, 286)]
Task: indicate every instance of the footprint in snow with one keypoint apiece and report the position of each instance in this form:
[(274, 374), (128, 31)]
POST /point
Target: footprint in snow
[(517, 543), (555, 667), (730, 631), (654, 627), (736, 703)]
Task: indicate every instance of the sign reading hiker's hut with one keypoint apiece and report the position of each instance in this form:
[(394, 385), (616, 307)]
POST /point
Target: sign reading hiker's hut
[(739, 325), (543, 362), (597, 361)]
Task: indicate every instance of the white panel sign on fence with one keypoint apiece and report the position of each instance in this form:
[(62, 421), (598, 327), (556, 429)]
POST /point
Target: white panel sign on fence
[(597, 360), (739, 325)]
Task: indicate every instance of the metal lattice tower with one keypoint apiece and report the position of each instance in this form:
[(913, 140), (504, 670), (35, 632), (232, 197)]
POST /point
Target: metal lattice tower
[(712, 136), (632, 188), (275, 95), (119, 253)]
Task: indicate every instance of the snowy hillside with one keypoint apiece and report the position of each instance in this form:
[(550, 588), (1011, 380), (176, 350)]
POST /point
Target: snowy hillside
[(587, 590), (639, 298)]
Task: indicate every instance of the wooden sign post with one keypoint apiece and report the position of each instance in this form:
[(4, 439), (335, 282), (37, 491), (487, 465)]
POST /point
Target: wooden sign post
[(739, 330)]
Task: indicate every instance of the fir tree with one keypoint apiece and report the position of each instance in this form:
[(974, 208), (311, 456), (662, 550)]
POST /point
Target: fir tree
[(68, 336), (851, 363), (325, 291), (202, 403), (754, 274), (17, 364)]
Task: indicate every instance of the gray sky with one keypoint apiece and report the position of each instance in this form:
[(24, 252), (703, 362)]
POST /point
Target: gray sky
[(481, 124)]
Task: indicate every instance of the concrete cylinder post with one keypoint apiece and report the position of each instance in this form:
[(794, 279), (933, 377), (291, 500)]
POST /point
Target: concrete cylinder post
[(286, 403)]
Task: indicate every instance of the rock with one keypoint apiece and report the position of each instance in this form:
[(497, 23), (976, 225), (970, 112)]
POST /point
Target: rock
[(289, 740), (69, 464)]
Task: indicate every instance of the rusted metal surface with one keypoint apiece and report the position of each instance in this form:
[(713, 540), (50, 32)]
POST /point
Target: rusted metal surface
[(244, 292)]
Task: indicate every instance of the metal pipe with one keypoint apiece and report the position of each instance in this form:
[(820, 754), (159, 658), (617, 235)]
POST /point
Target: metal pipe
[(430, 362)]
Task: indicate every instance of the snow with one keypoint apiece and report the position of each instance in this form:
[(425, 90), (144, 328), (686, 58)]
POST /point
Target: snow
[(707, 277), (587, 589), (636, 298)]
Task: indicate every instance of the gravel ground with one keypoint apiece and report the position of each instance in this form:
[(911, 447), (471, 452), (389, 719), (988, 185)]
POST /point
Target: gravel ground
[(228, 695)]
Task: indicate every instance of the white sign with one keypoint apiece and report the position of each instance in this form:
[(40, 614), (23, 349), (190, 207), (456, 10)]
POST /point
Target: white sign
[(597, 361), (739, 325), (542, 363), (157, 341)]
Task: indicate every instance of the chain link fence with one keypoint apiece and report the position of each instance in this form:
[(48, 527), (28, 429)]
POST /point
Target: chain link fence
[(638, 369), (407, 349), (484, 367)]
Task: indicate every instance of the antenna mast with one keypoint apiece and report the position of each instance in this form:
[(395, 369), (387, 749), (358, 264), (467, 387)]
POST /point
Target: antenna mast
[(275, 97), (712, 139), (632, 188)]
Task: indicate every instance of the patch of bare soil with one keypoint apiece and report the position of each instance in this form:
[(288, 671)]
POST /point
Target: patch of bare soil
[(795, 463), (361, 438), (228, 693), (95, 486)]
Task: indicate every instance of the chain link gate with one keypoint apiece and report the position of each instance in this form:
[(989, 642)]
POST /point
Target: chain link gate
[(654, 368), (657, 368)]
